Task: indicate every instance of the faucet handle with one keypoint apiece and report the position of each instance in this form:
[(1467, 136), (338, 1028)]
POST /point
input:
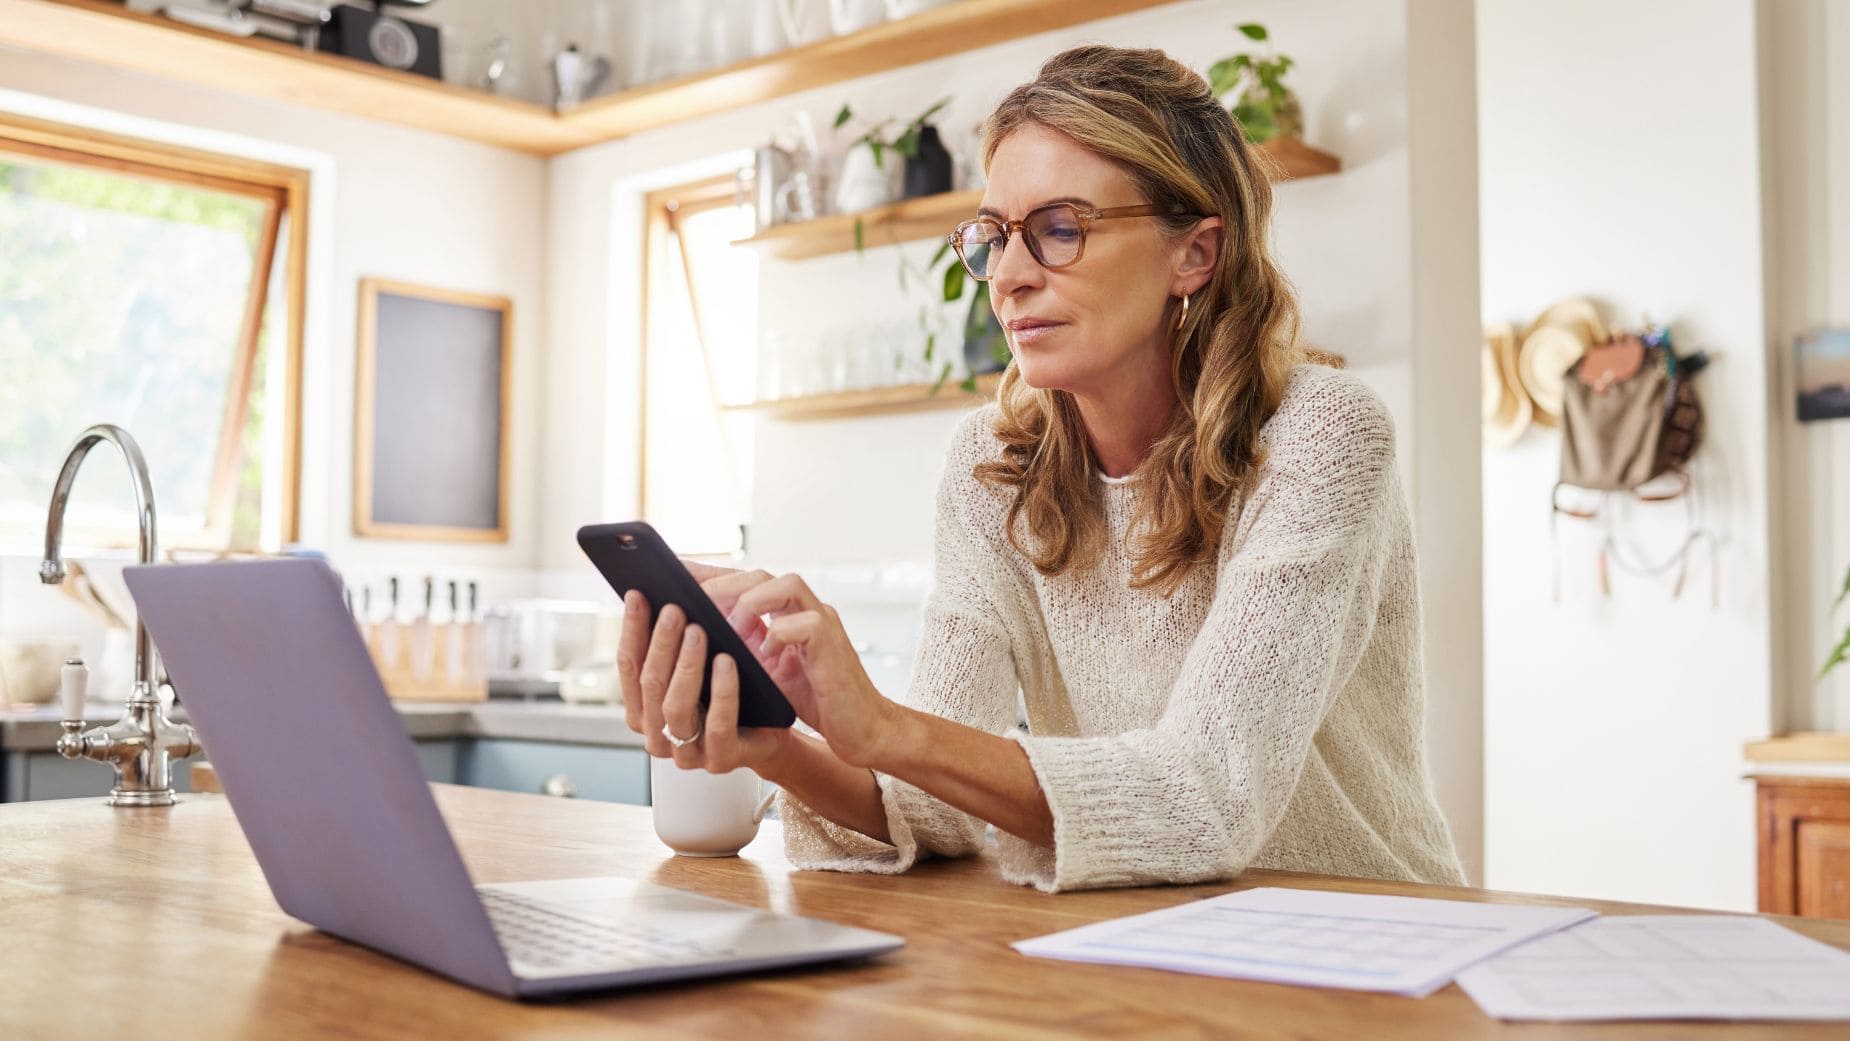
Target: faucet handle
[(51, 572), (74, 682)]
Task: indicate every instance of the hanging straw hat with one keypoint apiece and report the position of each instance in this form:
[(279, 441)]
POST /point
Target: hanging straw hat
[(1550, 347), (1506, 406)]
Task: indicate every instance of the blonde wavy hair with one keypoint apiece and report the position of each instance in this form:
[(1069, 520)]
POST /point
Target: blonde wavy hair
[(1235, 344)]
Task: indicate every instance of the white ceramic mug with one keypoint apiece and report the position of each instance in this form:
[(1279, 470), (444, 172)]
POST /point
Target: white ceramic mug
[(701, 814)]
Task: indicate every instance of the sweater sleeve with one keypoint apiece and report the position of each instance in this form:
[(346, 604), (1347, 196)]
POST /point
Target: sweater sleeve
[(1197, 795), (963, 671)]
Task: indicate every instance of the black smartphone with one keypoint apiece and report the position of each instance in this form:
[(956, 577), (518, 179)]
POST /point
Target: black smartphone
[(632, 556)]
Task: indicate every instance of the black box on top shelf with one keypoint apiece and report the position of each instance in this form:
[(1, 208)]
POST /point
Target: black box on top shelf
[(383, 39)]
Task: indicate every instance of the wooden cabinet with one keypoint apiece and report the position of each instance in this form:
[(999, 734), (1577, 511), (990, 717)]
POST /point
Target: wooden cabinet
[(1804, 826)]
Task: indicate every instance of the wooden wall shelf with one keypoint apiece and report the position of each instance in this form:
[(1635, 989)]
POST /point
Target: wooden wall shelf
[(874, 401), (935, 215), (110, 34), (907, 221)]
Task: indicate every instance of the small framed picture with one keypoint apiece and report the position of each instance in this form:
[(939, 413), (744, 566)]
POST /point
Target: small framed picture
[(431, 414), (1824, 374)]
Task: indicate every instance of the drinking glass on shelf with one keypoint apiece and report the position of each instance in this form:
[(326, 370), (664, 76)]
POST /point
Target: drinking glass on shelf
[(838, 360), (771, 348)]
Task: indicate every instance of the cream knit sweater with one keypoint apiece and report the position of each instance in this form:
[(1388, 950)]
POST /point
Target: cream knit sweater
[(1267, 714)]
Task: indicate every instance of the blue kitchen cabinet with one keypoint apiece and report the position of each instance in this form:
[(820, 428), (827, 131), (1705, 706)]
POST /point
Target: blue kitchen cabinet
[(604, 773), (441, 760)]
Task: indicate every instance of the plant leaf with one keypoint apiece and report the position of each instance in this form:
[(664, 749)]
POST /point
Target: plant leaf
[(969, 384), (1223, 76), (860, 236), (1253, 31), (1839, 655), (879, 154), (932, 111), (907, 144), (943, 374), (931, 345), (843, 116), (953, 282), (1842, 594), (943, 248)]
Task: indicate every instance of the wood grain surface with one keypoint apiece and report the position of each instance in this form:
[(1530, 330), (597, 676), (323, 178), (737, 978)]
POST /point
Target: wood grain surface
[(158, 924)]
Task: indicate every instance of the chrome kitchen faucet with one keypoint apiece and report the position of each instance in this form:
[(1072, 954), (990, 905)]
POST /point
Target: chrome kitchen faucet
[(143, 744)]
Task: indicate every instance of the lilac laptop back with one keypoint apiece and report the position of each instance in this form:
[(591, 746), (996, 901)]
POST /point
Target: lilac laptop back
[(273, 673)]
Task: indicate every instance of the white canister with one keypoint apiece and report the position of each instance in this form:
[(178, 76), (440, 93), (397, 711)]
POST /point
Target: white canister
[(805, 21), (865, 183), (850, 16)]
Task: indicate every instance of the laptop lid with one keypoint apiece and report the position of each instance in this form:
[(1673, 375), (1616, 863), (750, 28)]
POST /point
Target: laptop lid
[(274, 674)]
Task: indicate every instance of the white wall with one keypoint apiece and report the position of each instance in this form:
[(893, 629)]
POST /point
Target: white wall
[(1619, 159), (385, 201), (1806, 53), (854, 498), (564, 240)]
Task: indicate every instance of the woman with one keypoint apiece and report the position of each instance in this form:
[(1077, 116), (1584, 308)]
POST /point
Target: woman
[(1187, 550)]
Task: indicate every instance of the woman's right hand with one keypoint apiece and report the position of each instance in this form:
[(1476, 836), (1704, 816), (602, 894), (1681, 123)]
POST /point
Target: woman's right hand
[(660, 668)]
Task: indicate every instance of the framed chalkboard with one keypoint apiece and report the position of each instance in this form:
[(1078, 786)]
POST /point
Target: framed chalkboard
[(431, 414)]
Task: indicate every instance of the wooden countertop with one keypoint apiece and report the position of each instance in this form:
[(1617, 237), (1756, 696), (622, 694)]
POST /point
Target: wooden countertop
[(1802, 747), (157, 923)]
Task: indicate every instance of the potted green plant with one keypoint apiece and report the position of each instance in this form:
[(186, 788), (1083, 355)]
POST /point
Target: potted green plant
[(1264, 107), (1841, 652), (866, 179)]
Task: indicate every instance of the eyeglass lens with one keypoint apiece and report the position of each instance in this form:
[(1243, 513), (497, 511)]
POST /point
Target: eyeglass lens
[(1053, 234)]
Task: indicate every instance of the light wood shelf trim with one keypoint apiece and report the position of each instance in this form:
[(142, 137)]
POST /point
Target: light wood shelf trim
[(874, 401), (1803, 747), (906, 221), (936, 33), (110, 34), (933, 215)]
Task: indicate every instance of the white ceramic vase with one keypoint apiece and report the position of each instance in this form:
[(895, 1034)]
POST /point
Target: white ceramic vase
[(863, 183)]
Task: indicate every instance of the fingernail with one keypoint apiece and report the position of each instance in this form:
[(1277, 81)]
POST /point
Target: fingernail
[(722, 661), (692, 634)]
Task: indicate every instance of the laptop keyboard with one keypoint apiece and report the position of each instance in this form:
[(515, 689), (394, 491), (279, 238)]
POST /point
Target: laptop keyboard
[(549, 937)]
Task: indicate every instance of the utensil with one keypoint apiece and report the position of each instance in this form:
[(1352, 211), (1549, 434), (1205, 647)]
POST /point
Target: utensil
[(422, 658), (388, 629), (453, 640)]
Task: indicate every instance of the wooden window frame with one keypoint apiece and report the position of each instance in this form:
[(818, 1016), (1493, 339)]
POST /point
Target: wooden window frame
[(661, 209), (285, 192)]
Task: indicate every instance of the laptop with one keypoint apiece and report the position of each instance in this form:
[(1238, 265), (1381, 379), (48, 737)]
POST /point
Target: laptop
[(326, 785)]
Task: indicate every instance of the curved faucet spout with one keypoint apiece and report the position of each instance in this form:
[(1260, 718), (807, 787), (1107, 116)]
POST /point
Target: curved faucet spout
[(51, 571)]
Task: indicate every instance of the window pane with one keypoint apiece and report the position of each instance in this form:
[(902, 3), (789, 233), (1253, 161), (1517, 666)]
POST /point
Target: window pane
[(121, 301), (698, 469)]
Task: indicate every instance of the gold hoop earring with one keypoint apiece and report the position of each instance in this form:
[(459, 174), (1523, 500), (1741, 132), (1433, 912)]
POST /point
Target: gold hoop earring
[(1182, 319)]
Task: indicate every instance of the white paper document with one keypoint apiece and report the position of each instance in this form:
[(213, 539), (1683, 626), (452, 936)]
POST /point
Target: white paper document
[(1666, 967), (1398, 944)]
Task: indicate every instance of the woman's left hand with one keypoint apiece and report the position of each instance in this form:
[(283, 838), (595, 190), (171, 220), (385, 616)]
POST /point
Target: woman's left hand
[(804, 637)]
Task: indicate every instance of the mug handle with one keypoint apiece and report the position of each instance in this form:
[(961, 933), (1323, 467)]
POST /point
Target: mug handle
[(764, 807)]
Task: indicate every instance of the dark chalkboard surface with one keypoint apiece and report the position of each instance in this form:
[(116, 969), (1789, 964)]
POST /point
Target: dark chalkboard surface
[(431, 416)]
